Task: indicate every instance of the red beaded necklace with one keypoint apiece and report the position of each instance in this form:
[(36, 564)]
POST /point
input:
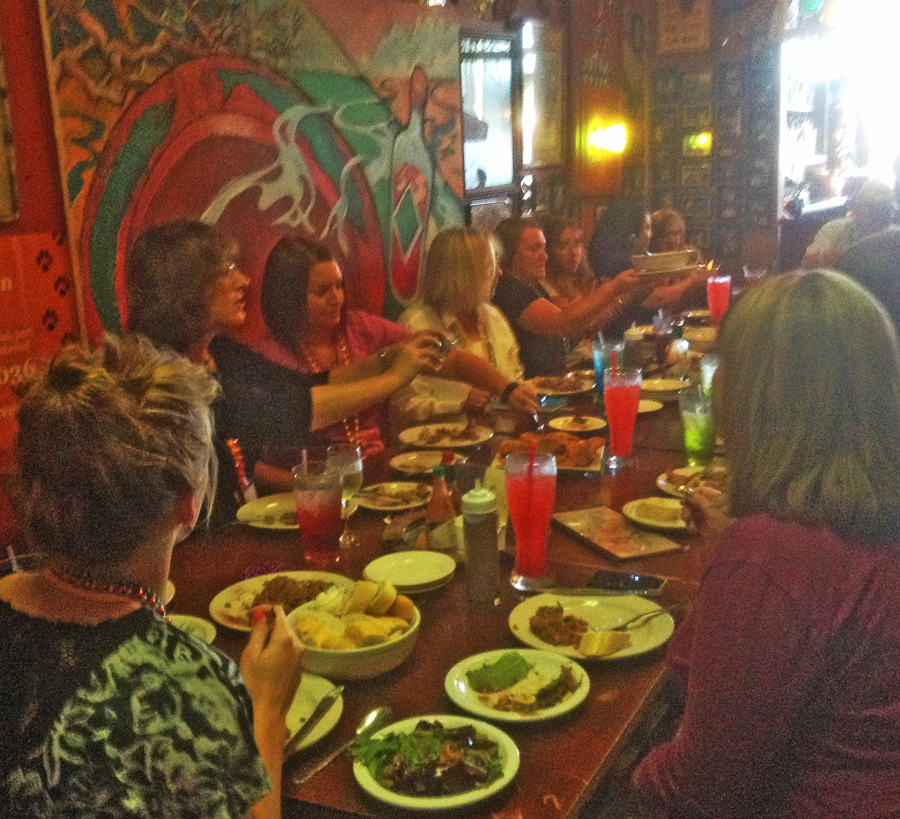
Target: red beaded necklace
[(351, 423), (145, 596)]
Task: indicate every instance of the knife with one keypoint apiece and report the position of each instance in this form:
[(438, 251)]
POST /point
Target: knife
[(323, 707)]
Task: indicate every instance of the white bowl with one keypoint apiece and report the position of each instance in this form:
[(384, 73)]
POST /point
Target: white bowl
[(359, 663)]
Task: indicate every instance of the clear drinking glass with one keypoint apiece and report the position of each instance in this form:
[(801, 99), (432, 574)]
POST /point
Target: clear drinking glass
[(530, 494), (621, 396), (317, 491), (699, 430), (348, 459)]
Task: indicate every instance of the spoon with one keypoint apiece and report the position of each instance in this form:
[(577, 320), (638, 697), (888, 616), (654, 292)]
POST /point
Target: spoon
[(374, 721)]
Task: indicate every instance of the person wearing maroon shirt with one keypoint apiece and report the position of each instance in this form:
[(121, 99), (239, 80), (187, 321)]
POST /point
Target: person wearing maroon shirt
[(790, 661)]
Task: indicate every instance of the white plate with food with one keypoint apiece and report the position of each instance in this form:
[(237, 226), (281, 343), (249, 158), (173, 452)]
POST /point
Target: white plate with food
[(572, 383), (446, 436), (565, 619), (312, 690), (195, 626), (271, 512), (573, 453), (517, 685), (648, 405), (656, 513), (412, 571), (394, 496), (168, 592), (674, 481), (231, 607), (421, 463), (662, 388), (379, 752), (669, 272), (576, 423)]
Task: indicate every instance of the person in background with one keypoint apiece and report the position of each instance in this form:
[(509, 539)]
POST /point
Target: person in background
[(667, 231), (568, 276), (788, 661), (454, 299), (874, 263), (109, 709), (185, 291), (311, 331), (871, 211), (541, 326)]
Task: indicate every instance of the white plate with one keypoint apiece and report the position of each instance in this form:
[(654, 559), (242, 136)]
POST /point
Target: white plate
[(564, 423), (663, 386), (602, 614), (196, 626), (427, 436), (312, 689), (670, 488), (646, 405), (421, 463), (582, 381), (411, 571), (168, 592), (675, 271), (270, 512), (391, 497), (227, 608), (508, 751), (632, 510), (547, 667)]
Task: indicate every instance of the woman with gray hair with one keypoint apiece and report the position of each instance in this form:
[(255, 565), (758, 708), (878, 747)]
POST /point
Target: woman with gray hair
[(108, 709), (788, 664)]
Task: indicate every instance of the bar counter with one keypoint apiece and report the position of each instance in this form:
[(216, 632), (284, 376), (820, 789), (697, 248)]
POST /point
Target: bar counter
[(563, 760)]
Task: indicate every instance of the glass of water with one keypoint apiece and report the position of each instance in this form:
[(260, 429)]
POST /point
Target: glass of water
[(348, 459)]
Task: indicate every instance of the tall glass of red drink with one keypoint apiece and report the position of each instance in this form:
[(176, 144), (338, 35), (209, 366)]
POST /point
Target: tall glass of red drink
[(530, 494), (621, 395), (718, 292), (317, 491)]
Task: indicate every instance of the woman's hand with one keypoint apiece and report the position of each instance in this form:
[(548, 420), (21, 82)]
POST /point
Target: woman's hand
[(477, 400), (419, 353), (271, 664), (706, 512), (524, 399)]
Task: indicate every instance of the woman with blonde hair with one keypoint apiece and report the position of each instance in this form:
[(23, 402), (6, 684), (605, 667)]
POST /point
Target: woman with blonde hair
[(454, 299), (109, 709), (788, 664)]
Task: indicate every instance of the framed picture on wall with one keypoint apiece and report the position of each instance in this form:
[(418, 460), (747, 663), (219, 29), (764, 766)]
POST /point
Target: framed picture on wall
[(9, 202)]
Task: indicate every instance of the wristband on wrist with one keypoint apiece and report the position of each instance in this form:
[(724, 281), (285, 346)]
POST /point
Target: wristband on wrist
[(509, 390)]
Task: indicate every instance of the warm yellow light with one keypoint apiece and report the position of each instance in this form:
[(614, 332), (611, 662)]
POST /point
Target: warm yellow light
[(612, 138)]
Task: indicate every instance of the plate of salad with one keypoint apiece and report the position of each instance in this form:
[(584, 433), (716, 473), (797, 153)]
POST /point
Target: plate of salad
[(520, 685), (435, 762)]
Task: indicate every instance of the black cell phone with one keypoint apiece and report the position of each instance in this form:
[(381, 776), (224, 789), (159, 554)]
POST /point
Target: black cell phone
[(645, 584)]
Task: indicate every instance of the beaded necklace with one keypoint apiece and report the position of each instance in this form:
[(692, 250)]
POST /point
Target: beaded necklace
[(351, 423), (145, 596)]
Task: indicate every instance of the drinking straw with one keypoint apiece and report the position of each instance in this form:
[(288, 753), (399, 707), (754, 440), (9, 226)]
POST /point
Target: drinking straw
[(13, 562), (304, 460), (613, 362), (531, 461)]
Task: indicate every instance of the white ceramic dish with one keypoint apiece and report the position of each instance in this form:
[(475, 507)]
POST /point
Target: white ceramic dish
[(586, 423), (594, 466), (685, 473), (421, 463), (271, 512), (168, 592), (581, 381), (668, 273), (546, 668), (312, 689), (195, 626), (647, 405), (701, 339), (359, 663), (412, 571), (601, 613), (637, 512), (430, 436), (666, 261), (508, 750), (229, 607), (394, 496)]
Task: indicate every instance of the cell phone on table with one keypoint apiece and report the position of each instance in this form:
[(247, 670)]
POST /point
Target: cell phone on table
[(647, 585)]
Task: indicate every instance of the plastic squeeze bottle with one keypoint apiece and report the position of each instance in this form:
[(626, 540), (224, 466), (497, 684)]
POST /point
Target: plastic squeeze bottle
[(480, 537)]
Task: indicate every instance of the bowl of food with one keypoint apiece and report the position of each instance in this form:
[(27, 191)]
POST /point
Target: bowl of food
[(670, 261), (357, 633)]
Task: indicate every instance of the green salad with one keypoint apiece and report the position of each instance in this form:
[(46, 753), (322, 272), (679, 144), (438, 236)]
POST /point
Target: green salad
[(432, 760)]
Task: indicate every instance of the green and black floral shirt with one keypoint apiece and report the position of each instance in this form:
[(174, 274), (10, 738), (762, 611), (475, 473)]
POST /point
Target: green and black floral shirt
[(131, 718)]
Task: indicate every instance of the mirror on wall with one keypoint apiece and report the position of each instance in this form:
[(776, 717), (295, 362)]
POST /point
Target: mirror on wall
[(486, 68)]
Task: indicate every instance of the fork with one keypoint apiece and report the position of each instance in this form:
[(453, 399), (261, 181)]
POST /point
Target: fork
[(647, 615)]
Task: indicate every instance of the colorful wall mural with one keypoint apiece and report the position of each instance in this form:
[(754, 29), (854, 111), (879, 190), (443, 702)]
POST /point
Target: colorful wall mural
[(262, 117)]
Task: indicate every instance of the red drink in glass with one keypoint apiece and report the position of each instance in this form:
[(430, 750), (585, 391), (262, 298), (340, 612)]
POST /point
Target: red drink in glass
[(317, 491), (621, 395), (530, 494), (718, 292)]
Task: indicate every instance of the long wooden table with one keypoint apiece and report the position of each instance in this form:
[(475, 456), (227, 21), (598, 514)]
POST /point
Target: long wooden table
[(562, 760)]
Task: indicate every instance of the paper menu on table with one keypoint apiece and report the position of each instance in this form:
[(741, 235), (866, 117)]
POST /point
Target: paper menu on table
[(613, 534)]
